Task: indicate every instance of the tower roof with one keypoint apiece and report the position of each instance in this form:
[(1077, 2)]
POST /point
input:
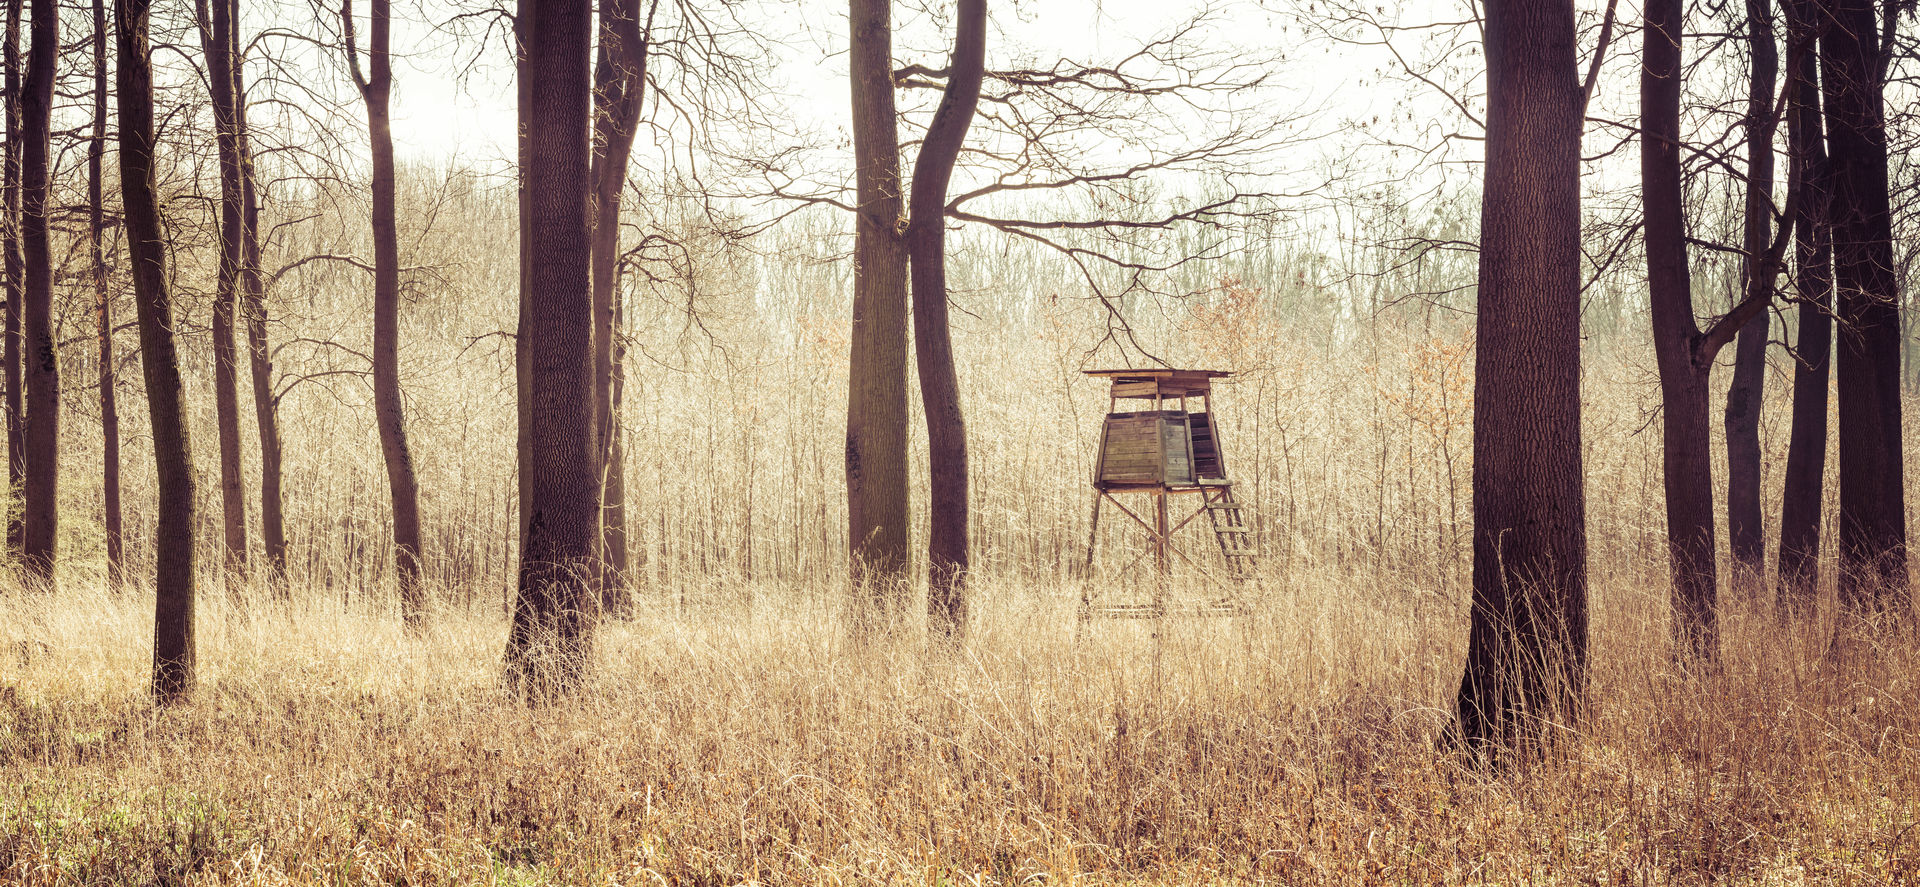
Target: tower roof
[(1160, 381)]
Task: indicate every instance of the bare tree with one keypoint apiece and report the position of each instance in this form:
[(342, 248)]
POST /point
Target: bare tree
[(876, 453), (1800, 497), (1873, 530), (173, 646), (1526, 667), (522, 366), (947, 539), (1741, 419), (1684, 353), (217, 25), (103, 301), (42, 431), (376, 85), (620, 78), (260, 364), (550, 643), (701, 68), (16, 290)]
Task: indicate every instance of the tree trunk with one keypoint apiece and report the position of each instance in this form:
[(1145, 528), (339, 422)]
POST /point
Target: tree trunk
[(1684, 365), (103, 300), (947, 540), (265, 407), (613, 500), (1745, 535), (389, 412), (1527, 649), (173, 641), (16, 294), (1873, 532), (876, 453), (216, 20), (42, 430), (550, 643), (1800, 501), (619, 82), (523, 474)]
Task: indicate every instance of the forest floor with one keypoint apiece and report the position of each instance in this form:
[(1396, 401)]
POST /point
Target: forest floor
[(753, 744)]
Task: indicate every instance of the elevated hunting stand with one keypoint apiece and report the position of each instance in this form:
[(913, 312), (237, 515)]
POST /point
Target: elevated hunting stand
[(1162, 453)]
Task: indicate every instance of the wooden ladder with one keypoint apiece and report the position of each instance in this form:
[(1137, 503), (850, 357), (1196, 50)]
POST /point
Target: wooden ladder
[(1230, 529)]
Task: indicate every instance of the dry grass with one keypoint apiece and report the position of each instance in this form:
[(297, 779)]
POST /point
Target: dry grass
[(750, 744)]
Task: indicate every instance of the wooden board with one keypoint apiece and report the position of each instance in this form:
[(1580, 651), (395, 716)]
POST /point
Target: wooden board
[(1177, 454)]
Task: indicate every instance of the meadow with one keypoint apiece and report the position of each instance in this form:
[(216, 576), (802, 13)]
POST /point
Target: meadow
[(752, 743)]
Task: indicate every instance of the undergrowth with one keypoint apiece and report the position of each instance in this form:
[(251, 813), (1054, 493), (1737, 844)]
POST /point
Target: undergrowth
[(754, 743)]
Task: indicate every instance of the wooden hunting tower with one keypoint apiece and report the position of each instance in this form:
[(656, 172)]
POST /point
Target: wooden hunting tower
[(1162, 448)]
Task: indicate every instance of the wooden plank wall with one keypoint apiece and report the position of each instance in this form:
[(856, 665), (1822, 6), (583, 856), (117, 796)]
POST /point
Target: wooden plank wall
[(1146, 448)]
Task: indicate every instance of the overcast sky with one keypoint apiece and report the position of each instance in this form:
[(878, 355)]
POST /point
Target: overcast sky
[(438, 115)]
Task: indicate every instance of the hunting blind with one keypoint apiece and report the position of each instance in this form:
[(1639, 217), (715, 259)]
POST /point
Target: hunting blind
[(1154, 443)]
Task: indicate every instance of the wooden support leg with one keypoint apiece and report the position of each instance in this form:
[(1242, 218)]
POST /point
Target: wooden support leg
[(1093, 531), (1162, 531), (1163, 567), (1086, 578), (1162, 562)]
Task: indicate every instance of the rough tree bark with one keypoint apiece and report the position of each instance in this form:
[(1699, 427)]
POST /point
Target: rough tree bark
[(42, 431), (103, 301), (16, 292), (1526, 666), (619, 81), (173, 640), (523, 476), (947, 540), (1800, 499), (550, 643), (1873, 531), (1746, 539), (376, 87), (216, 20), (876, 452)]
